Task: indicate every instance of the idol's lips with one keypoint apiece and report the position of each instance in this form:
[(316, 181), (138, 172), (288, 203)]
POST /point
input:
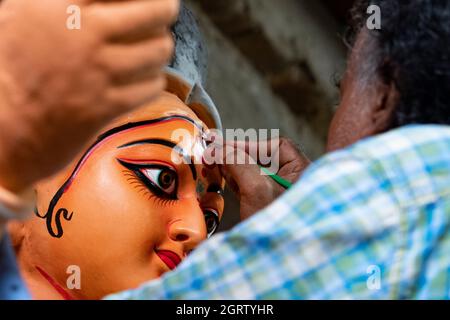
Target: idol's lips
[(170, 258)]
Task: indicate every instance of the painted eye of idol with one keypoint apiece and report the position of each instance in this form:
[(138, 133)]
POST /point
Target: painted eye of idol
[(163, 178), (211, 220), (160, 179)]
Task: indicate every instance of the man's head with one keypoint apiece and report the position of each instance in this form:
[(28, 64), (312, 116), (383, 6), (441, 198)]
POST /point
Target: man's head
[(397, 75)]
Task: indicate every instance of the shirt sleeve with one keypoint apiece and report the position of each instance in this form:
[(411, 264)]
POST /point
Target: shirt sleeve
[(315, 242)]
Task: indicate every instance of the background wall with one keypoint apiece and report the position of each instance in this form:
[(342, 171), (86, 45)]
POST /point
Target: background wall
[(272, 65)]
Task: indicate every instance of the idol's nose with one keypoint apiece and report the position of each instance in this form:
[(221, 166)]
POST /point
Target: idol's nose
[(189, 231)]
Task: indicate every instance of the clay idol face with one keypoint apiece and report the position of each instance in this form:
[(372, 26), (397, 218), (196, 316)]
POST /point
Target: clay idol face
[(131, 209)]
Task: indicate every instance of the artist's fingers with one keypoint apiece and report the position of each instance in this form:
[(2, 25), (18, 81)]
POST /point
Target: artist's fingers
[(253, 147), (290, 151), (281, 152), (293, 162), (120, 20), (280, 156), (123, 98), (128, 63), (254, 190)]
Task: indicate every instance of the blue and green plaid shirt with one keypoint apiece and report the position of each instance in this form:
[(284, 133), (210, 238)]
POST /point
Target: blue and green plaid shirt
[(368, 222)]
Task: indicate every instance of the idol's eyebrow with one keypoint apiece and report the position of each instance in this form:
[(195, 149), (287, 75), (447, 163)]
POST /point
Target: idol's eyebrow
[(215, 188), (165, 143)]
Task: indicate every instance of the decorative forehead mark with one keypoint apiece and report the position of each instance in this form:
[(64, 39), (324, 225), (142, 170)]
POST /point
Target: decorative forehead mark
[(55, 219)]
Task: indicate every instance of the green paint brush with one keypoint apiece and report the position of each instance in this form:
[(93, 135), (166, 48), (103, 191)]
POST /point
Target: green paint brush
[(282, 182)]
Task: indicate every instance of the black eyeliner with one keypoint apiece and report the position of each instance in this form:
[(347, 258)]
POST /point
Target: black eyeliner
[(136, 169)]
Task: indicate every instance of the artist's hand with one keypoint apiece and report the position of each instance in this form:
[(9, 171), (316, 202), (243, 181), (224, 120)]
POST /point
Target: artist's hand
[(243, 175), (59, 86)]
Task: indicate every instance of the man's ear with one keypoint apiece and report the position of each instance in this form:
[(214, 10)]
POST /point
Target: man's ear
[(384, 108)]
